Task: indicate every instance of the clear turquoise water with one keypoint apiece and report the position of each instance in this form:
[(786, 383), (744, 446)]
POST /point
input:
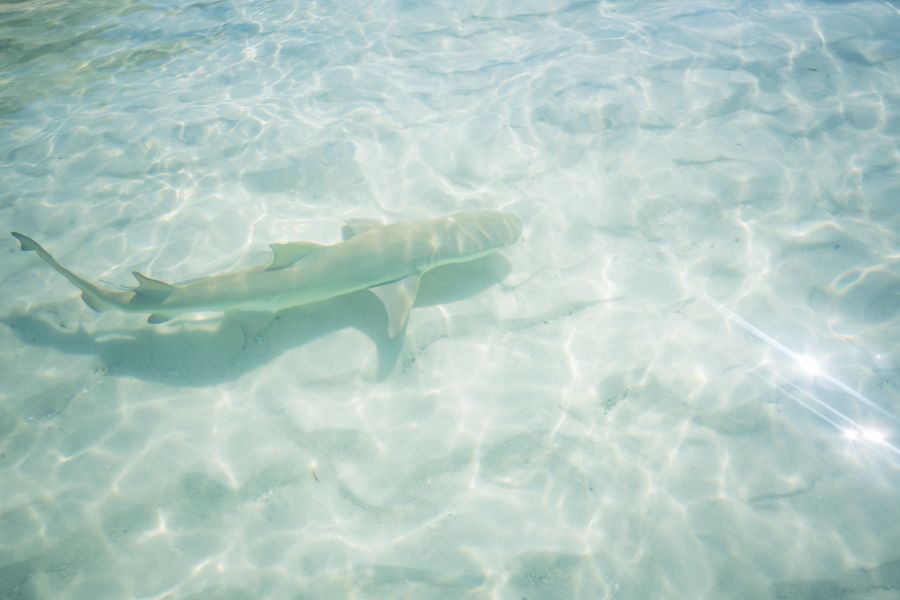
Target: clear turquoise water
[(682, 383)]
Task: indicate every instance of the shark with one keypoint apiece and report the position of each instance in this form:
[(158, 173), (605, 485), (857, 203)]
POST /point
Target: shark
[(387, 259)]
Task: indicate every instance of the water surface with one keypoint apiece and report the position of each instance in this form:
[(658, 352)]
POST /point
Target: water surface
[(681, 383)]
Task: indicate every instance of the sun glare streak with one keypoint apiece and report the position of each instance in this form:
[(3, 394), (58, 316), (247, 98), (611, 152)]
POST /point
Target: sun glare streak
[(851, 434), (809, 407), (874, 438), (808, 364), (850, 429)]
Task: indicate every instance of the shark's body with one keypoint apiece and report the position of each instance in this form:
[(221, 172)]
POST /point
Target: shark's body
[(388, 259)]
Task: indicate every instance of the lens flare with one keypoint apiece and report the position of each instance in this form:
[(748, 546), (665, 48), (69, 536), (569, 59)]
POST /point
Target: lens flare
[(809, 365), (851, 430)]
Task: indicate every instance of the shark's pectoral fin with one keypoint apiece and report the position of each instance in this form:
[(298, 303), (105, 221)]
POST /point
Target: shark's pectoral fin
[(354, 227), (151, 289), (91, 301), (398, 298), (156, 318), (288, 254)]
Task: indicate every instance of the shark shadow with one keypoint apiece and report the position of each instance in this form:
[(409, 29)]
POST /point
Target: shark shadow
[(191, 355)]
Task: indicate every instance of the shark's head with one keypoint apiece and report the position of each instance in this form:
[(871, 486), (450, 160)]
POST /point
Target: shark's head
[(469, 235)]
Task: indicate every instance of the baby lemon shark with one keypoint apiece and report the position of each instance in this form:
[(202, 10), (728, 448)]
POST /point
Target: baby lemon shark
[(388, 259)]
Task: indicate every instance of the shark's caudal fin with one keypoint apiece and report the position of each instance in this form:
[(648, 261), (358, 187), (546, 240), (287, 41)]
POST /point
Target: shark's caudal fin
[(29, 245), (93, 296)]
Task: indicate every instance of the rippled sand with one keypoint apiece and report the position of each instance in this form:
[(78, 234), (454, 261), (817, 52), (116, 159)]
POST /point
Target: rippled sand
[(682, 383)]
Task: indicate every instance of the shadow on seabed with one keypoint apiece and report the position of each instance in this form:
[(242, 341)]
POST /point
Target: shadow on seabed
[(199, 356)]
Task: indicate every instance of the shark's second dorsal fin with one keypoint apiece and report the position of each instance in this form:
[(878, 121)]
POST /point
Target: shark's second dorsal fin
[(151, 289), (354, 227), (287, 254)]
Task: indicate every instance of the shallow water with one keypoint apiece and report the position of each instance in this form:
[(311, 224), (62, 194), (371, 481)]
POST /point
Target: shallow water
[(681, 383)]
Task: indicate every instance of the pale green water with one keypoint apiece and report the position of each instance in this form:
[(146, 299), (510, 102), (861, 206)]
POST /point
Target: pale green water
[(681, 383)]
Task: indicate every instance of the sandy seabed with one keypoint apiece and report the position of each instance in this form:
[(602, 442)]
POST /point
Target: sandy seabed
[(681, 383)]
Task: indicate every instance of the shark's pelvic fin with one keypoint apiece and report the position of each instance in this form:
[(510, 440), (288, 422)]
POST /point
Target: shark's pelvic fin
[(354, 227), (287, 254), (151, 289), (398, 298)]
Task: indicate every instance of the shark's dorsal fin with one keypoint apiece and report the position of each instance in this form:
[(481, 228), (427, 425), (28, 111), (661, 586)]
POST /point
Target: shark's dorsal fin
[(151, 289), (287, 254), (397, 297), (354, 227)]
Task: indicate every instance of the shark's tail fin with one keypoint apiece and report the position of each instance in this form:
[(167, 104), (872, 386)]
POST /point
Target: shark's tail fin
[(95, 297), (28, 244)]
